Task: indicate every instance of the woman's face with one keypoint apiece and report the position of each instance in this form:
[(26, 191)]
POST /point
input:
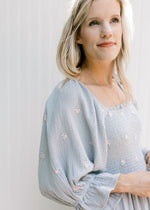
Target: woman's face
[(103, 24)]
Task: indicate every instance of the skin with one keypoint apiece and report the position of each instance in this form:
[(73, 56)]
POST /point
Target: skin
[(97, 72), (104, 26)]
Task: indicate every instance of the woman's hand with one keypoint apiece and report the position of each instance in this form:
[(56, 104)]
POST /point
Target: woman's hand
[(147, 160)]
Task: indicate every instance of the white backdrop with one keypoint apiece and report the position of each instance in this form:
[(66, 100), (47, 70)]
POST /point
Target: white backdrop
[(29, 33)]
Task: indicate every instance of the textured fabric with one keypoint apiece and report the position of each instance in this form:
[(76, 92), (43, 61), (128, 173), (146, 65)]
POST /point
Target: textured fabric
[(85, 146)]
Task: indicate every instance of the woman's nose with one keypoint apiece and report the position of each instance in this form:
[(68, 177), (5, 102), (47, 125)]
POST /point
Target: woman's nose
[(106, 31)]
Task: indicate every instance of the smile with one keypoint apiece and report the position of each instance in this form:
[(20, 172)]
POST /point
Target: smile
[(106, 45)]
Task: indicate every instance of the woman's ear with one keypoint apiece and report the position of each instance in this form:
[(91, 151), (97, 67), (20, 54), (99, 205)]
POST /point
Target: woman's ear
[(78, 40)]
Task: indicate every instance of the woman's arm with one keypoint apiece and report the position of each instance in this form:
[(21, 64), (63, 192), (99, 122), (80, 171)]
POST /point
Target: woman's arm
[(71, 172), (137, 183), (124, 183)]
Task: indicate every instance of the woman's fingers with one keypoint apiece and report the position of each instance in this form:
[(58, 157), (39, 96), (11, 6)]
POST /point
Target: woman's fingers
[(148, 165)]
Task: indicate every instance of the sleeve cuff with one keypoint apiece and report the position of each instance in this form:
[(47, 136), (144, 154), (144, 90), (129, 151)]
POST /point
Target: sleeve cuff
[(99, 190)]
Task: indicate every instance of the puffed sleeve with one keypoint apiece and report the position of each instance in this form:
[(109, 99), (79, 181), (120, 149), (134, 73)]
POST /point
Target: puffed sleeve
[(72, 154)]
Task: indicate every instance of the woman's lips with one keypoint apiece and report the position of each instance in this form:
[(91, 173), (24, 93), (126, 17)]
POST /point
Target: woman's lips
[(106, 44)]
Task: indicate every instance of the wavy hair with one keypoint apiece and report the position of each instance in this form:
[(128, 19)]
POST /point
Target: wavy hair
[(70, 55)]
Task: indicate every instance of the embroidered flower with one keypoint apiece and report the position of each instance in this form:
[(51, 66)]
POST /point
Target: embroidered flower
[(42, 156), (65, 136), (123, 162), (77, 111), (57, 171), (108, 143)]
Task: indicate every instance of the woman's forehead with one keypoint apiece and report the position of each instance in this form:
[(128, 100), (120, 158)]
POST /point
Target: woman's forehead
[(104, 8)]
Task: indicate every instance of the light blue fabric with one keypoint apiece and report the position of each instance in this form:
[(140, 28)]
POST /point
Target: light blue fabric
[(85, 146)]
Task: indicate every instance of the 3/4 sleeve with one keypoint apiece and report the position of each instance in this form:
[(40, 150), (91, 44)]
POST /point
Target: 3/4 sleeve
[(72, 156)]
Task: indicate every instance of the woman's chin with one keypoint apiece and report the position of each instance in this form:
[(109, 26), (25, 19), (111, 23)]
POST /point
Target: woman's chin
[(107, 59)]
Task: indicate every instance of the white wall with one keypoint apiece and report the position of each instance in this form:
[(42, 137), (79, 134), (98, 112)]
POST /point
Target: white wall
[(139, 69), (29, 33)]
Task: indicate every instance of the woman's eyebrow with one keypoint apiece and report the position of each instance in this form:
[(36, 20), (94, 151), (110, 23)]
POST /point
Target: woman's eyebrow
[(99, 18)]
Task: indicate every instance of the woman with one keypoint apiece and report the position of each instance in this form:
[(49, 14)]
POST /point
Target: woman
[(90, 155)]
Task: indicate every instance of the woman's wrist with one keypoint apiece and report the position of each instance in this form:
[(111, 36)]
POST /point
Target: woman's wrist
[(122, 184)]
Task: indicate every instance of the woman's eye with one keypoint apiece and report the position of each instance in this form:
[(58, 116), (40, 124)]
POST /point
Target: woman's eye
[(94, 22), (115, 20)]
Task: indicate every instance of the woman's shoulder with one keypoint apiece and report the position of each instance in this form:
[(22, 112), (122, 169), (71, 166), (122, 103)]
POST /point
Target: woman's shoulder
[(69, 93), (65, 91)]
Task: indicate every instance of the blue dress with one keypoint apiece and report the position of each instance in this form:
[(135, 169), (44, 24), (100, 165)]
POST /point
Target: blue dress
[(84, 148)]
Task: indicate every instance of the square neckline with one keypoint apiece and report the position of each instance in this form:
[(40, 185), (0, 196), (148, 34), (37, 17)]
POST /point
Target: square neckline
[(120, 106)]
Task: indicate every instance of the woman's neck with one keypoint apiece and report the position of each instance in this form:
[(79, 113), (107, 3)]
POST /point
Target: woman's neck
[(100, 72)]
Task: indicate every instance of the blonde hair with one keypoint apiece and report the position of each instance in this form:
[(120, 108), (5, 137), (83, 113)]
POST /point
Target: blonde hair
[(70, 55)]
